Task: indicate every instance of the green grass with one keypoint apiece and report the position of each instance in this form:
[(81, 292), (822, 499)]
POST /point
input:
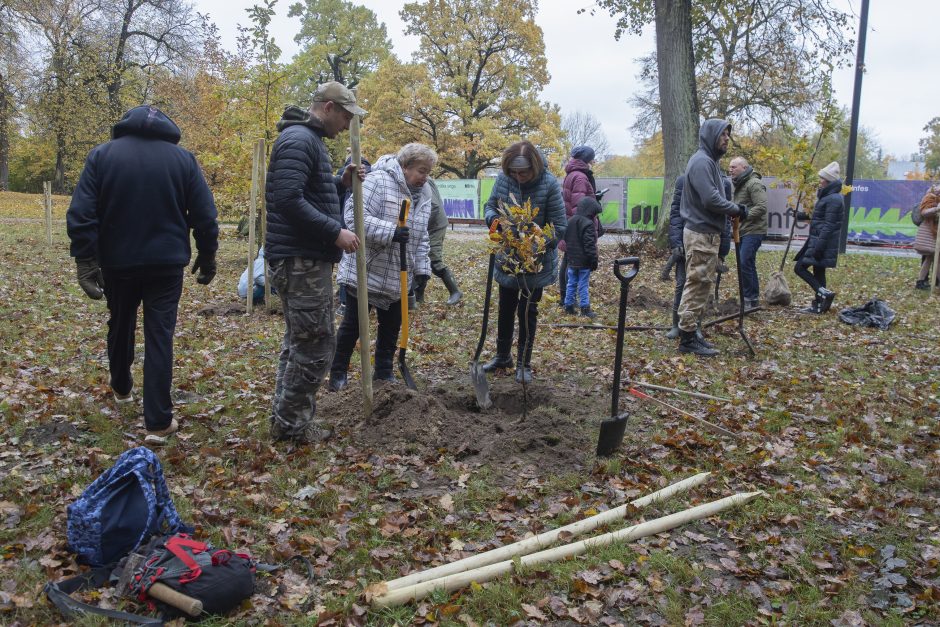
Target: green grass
[(839, 430)]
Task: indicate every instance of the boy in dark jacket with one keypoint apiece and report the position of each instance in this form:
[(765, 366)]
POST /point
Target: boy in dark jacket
[(581, 246)]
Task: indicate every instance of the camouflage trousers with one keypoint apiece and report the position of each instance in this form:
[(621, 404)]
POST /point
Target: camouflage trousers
[(701, 265), (305, 287)]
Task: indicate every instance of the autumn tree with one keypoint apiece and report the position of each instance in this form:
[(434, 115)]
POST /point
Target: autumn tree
[(584, 129), (12, 79), (340, 41), (930, 146), (647, 161), (473, 86)]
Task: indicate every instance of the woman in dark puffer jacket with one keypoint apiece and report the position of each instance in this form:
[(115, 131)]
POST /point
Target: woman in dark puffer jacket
[(821, 249)]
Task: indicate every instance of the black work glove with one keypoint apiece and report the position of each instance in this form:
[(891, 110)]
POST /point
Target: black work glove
[(593, 266), (551, 243), (90, 277), (205, 264), (678, 252), (722, 267), (421, 280), (742, 212), (402, 235)]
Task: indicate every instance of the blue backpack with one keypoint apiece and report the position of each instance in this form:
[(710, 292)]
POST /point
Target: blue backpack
[(121, 509)]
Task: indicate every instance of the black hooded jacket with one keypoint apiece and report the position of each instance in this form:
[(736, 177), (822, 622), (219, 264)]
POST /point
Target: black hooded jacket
[(581, 237), (304, 214), (704, 205), (138, 197)]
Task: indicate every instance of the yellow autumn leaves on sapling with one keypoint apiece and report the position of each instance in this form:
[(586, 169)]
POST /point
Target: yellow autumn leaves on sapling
[(517, 240)]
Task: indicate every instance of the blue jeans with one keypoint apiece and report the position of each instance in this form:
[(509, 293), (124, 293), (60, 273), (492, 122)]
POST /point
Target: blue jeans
[(579, 279), (750, 284)]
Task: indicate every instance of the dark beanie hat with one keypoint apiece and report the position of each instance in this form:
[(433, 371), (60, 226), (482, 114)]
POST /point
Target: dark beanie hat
[(584, 153)]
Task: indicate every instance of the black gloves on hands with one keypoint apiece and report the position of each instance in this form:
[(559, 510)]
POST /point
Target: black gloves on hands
[(205, 264), (594, 266), (90, 277), (678, 252), (402, 235), (742, 212)]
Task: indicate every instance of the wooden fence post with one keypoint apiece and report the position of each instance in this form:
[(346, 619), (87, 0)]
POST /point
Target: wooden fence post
[(362, 278), (47, 205)]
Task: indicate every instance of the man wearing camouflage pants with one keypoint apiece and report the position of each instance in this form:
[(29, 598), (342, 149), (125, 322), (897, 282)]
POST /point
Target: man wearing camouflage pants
[(437, 228), (304, 239), (704, 208)]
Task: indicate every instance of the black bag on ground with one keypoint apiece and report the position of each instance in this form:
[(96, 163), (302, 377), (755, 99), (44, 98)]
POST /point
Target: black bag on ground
[(874, 313), (219, 578)]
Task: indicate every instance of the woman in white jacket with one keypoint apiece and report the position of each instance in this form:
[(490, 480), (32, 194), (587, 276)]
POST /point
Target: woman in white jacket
[(393, 178)]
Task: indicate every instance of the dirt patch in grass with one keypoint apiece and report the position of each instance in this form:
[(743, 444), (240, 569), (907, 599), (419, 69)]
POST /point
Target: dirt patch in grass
[(642, 297), (540, 427), (51, 432)]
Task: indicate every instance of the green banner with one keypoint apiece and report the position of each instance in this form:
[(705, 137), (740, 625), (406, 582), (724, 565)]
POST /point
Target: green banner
[(643, 199)]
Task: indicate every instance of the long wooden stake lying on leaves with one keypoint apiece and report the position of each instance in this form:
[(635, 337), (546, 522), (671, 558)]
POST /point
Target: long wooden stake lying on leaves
[(678, 391), (709, 425), (628, 534), (542, 540)]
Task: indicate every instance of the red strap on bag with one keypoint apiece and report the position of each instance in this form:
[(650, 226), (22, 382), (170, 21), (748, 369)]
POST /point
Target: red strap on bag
[(176, 544)]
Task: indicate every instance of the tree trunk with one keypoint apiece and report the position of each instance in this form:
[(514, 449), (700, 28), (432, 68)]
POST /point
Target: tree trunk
[(678, 97), (5, 106)]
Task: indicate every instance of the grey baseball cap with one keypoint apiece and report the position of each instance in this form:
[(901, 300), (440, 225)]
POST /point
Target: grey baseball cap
[(340, 94)]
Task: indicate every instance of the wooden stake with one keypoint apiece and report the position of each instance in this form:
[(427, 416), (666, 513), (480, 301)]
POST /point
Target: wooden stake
[(488, 573), (270, 305), (362, 277), (543, 540), (678, 391), (47, 206), (709, 425), (256, 159)]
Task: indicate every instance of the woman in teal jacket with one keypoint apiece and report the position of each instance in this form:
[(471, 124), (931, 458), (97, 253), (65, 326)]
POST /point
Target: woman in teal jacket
[(524, 177)]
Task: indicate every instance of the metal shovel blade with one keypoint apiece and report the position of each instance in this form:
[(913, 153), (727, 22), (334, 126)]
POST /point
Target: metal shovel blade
[(480, 385), (403, 369), (611, 435)]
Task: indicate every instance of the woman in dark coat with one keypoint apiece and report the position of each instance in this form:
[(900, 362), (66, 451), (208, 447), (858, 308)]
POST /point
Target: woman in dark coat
[(524, 177), (821, 249)]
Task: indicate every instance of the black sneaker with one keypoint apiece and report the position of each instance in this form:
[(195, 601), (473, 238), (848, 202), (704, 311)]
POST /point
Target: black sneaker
[(826, 297), (587, 313)]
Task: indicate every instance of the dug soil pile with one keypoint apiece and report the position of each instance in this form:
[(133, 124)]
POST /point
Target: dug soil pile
[(551, 429)]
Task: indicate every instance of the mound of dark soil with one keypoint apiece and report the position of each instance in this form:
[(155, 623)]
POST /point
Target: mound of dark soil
[(544, 427), (642, 297)]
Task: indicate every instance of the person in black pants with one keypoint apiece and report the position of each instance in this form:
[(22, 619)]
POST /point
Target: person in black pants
[(129, 221), (821, 249)]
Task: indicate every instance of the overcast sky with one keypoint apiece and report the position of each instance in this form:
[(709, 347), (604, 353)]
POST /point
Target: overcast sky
[(592, 72)]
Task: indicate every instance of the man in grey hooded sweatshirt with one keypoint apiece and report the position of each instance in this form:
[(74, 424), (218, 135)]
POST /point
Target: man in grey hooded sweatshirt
[(704, 208)]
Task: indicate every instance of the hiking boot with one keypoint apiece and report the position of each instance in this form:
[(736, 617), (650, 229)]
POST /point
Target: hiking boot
[(672, 333), (813, 307), (314, 433), (338, 381), (688, 343), (159, 436), (922, 284), (751, 304), (700, 338), (500, 361), (666, 273), (826, 297), (523, 374), (569, 309), (587, 313)]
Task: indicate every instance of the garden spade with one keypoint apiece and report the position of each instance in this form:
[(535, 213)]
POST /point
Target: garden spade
[(736, 234), (612, 429), (403, 279), (480, 385)]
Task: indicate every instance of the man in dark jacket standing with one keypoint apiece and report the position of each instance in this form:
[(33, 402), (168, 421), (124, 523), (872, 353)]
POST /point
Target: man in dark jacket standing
[(305, 238), (704, 209), (129, 221), (750, 192)]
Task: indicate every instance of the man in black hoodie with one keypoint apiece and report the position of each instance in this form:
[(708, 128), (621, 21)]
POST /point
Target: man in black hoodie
[(305, 237), (136, 201), (705, 208)]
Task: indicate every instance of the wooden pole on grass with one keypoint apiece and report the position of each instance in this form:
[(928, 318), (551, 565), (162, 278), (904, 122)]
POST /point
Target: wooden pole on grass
[(256, 158), (47, 206), (628, 534), (543, 540), (362, 278)]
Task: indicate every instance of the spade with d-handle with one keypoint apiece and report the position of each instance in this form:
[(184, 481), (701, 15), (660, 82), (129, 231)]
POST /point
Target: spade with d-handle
[(736, 235), (480, 385), (403, 279), (612, 429)]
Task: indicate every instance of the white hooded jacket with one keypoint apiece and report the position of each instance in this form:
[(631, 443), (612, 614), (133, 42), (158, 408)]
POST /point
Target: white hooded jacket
[(382, 193)]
